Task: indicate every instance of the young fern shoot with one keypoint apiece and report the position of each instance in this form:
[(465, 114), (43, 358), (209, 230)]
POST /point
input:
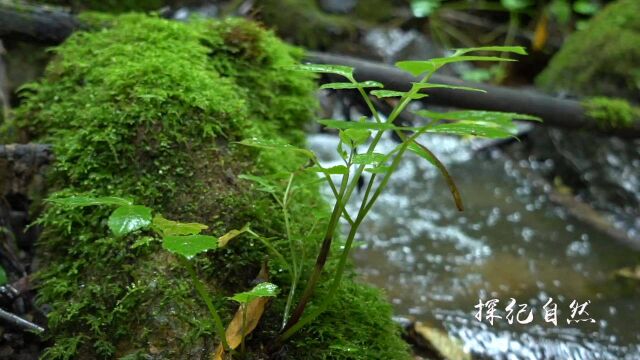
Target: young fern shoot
[(368, 134)]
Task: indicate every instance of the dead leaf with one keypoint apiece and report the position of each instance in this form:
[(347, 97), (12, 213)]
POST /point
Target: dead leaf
[(224, 239), (631, 272), (438, 343), (255, 309), (541, 34)]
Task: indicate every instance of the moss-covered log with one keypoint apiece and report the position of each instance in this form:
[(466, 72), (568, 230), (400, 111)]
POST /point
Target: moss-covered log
[(150, 108)]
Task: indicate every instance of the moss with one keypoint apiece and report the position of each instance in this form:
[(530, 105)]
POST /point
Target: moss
[(603, 59), (351, 329), (611, 112), (150, 108)]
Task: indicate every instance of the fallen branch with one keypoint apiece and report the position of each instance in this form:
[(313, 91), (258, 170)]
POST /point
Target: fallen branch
[(19, 322), (557, 112)]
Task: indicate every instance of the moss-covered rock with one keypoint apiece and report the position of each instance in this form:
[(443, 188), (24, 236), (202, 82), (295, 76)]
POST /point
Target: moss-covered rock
[(603, 58), (150, 109)]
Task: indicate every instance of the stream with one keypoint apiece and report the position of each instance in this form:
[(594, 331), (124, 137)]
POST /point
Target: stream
[(436, 263)]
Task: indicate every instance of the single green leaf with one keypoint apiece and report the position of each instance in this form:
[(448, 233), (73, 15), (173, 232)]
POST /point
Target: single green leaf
[(345, 71), (424, 8), (349, 85), (143, 241), (354, 137), (477, 115), (169, 227), (391, 93), (417, 67), (373, 158), (414, 148), (82, 201), (489, 130), (264, 289), (515, 5), (585, 7), (262, 184), (378, 169), (276, 145), (189, 245), (127, 219), (453, 59), (334, 170), (502, 49), (426, 154), (342, 125), (445, 86), (3, 276)]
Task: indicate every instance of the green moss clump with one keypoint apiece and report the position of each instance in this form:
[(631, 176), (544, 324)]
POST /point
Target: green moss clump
[(602, 59), (150, 108), (611, 112)]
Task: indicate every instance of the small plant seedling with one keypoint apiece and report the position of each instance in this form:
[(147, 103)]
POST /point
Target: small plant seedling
[(358, 149), (182, 239), (262, 290)]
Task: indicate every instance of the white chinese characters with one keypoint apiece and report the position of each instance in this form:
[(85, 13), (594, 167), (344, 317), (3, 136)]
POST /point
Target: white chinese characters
[(521, 314)]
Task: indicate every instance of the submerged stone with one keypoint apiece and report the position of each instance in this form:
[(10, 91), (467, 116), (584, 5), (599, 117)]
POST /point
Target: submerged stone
[(151, 109)]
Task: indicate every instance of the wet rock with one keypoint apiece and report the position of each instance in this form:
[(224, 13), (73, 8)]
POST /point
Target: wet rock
[(338, 6), (393, 44), (183, 13), (603, 171)]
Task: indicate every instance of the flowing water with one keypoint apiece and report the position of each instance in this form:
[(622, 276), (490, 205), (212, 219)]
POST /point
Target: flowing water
[(436, 263)]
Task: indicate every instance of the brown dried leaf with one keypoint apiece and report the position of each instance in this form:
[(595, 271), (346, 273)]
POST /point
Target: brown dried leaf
[(255, 309), (631, 272), (224, 239)]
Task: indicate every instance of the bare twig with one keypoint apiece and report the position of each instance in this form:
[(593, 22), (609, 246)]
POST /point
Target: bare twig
[(20, 322)]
